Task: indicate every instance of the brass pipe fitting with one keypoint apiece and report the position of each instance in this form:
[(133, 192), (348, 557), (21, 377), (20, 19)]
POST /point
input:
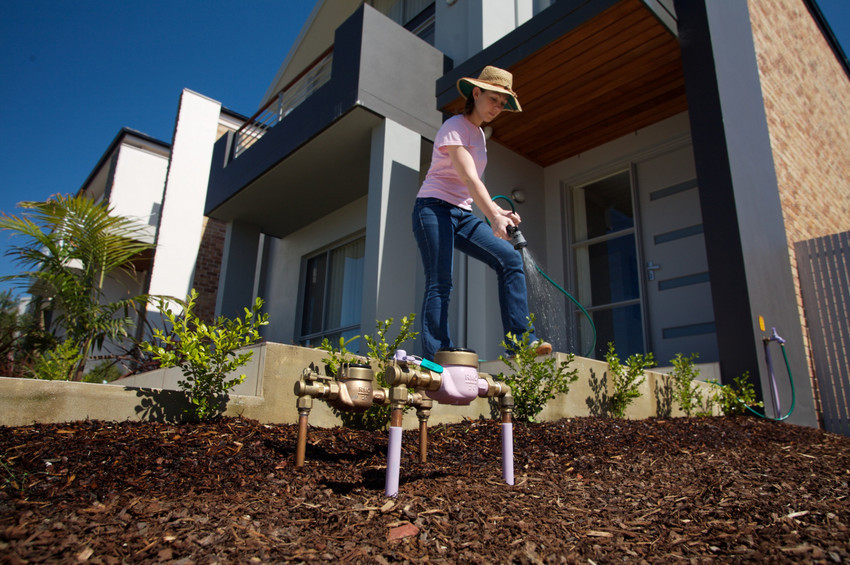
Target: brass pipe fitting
[(397, 374), (356, 388), (456, 356), (494, 387), (423, 412), (399, 396), (353, 391), (506, 405)]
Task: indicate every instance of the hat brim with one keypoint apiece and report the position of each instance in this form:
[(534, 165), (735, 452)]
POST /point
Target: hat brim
[(465, 86)]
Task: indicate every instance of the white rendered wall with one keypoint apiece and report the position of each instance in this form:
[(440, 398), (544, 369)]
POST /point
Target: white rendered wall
[(137, 185), (181, 219)]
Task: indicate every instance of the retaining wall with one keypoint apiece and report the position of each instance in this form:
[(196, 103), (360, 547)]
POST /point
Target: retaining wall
[(267, 395)]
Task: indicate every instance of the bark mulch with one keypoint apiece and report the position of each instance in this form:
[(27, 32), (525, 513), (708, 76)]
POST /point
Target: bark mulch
[(588, 490)]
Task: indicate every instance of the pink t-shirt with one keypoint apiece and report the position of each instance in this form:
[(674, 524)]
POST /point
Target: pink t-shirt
[(442, 181)]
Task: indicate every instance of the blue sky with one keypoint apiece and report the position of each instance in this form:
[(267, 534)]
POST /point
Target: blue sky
[(75, 72)]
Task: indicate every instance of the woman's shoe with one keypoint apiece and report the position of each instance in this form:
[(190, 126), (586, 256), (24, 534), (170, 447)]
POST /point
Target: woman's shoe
[(541, 347)]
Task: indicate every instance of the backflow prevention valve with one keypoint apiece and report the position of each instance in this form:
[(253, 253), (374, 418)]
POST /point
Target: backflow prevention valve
[(453, 378)]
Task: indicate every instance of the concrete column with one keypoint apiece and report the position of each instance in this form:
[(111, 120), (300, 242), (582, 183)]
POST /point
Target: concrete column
[(466, 27), (745, 236), (391, 253), (182, 216), (242, 248)]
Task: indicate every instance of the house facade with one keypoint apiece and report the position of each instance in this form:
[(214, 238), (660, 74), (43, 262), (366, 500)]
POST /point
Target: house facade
[(160, 185), (668, 157)]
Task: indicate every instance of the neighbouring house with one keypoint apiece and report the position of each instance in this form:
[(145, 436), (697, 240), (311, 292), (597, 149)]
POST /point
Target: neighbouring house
[(668, 158), (163, 185)]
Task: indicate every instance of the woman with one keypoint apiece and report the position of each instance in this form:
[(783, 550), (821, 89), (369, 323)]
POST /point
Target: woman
[(443, 218)]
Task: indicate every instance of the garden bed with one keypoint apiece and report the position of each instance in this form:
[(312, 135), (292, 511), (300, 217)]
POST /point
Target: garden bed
[(587, 490)]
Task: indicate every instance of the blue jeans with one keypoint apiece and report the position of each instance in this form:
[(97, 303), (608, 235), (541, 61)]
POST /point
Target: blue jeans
[(439, 228)]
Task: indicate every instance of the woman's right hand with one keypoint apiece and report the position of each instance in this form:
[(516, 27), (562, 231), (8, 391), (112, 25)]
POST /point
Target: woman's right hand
[(500, 224)]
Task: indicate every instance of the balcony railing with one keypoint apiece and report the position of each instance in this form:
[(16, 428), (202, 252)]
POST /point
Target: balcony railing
[(290, 96)]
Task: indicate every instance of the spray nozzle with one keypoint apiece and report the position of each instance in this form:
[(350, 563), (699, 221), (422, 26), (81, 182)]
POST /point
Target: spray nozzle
[(517, 239)]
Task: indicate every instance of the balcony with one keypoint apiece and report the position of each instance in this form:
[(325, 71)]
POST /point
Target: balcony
[(307, 152), (289, 98)]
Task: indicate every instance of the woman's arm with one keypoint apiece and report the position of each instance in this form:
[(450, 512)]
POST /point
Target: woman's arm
[(499, 218)]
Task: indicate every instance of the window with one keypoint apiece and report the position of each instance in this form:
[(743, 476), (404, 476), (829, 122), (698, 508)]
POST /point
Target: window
[(606, 258), (333, 291)]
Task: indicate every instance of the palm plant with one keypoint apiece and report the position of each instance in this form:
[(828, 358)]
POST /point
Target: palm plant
[(71, 246)]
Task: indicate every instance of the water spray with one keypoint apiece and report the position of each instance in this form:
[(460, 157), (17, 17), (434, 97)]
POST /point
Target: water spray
[(519, 242)]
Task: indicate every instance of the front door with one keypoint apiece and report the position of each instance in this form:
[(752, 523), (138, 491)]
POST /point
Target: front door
[(679, 310)]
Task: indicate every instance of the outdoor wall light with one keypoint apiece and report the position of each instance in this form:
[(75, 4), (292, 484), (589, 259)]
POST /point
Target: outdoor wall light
[(518, 195)]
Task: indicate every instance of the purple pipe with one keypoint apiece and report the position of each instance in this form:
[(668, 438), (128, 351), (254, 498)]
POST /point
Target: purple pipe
[(393, 461), (508, 452), (773, 388)]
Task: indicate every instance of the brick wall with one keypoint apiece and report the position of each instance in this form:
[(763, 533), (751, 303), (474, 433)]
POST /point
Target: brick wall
[(208, 267), (807, 101)]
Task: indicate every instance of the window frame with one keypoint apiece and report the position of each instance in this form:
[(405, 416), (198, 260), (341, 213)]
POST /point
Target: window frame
[(316, 337)]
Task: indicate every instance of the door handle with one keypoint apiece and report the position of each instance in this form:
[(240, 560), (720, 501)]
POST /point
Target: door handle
[(651, 267)]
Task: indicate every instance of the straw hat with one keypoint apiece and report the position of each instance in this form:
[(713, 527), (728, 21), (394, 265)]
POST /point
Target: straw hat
[(495, 79)]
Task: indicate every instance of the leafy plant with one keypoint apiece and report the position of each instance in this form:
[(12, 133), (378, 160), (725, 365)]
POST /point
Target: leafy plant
[(337, 357), (734, 398), (72, 245), (686, 391), (533, 382), (376, 417), (380, 349), (625, 379), (56, 364), (206, 352), (21, 338), (12, 479)]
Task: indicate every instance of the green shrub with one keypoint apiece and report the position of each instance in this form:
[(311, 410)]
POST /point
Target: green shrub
[(686, 391), (206, 352), (382, 351), (734, 398), (337, 357), (534, 381), (57, 364), (625, 380)]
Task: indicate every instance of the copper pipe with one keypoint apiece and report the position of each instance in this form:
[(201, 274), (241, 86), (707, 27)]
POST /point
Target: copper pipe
[(301, 448), (423, 441), (423, 411), (396, 416)]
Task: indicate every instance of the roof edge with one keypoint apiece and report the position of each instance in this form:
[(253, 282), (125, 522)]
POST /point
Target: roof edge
[(116, 141)]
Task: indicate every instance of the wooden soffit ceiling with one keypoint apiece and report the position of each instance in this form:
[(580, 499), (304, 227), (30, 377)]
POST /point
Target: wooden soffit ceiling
[(613, 74)]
